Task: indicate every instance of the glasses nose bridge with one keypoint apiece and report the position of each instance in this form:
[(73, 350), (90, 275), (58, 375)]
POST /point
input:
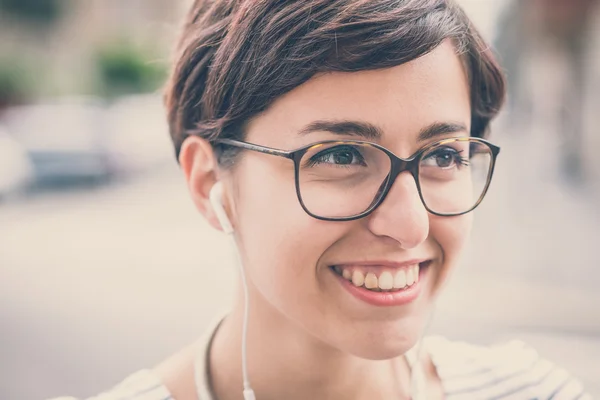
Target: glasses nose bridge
[(399, 165)]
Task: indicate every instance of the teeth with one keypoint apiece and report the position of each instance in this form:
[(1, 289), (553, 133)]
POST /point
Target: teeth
[(410, 278), (347, 274), (371, 281), (386, 281), (400, 279), (358, 278)]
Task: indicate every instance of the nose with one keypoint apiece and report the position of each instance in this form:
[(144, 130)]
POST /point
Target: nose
[(401, 216)]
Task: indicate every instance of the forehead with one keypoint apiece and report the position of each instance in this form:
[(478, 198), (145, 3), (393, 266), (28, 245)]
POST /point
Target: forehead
[(400, 101)]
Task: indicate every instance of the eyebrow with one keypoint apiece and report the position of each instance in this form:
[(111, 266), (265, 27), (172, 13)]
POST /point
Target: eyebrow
[(369, 131), (439, 129), (356, 128)]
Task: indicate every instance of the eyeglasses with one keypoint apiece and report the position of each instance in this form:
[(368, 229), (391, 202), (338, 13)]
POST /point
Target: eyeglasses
[(344, 180)]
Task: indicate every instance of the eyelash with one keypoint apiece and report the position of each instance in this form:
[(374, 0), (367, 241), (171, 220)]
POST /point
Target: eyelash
[(314, 160), (463, 161)]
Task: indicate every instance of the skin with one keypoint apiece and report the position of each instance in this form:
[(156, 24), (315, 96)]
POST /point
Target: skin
[(308, 337)]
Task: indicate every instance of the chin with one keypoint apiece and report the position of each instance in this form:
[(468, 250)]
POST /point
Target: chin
[(386, 342)]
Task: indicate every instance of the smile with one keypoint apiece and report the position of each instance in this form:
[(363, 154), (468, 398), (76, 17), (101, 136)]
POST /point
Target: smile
[(382, 285)]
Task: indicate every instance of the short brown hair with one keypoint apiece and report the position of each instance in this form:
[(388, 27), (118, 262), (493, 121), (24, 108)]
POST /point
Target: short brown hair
[(235, 57)]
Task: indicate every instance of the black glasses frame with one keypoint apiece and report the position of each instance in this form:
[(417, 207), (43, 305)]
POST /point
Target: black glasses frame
[(398, 165)]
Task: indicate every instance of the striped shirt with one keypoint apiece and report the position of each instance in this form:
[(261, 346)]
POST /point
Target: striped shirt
[(511, 371)]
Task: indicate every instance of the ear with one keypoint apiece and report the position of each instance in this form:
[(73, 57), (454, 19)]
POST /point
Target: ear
[(199, 165)]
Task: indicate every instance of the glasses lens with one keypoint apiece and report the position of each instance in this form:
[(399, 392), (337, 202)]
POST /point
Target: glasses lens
[(454, 175), (341, 179)]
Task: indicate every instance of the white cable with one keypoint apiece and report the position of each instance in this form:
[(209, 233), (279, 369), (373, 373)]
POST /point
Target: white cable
[(216, 199), (248, 392), (418, 380)]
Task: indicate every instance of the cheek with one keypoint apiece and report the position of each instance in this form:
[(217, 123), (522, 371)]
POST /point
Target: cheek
[(280, 243), (451, 235)]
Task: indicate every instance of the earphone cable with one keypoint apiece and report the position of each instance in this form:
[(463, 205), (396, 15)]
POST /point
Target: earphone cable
[(248, 392)]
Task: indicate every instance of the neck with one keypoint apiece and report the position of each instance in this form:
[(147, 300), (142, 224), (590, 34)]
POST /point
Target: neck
[(286, 362)]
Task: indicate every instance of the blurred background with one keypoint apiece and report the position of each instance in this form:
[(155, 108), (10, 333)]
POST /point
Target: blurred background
[(103, 259)]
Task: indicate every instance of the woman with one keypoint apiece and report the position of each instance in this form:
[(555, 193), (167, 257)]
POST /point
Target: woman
[(342, 141)]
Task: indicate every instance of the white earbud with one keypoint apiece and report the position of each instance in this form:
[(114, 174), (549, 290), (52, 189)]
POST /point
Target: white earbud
[(216, 200)]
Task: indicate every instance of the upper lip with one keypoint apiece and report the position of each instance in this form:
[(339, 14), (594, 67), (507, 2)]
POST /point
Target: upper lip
[(385, 263)]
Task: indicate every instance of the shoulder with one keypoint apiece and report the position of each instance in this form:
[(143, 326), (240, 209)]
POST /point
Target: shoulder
[(511, 370), (142, 385)]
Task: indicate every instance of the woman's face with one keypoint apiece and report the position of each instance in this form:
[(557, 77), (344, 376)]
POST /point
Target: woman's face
[(291, 258)]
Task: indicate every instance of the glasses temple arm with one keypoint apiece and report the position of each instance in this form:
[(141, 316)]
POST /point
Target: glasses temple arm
[(254, 147)]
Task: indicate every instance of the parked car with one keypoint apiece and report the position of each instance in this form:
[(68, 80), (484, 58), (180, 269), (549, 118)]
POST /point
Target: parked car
[(65, 140), (83, 140), (139, 137), (16, 170)]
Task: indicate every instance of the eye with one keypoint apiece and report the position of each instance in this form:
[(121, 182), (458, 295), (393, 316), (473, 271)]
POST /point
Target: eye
[(444, 158), (338, 155)]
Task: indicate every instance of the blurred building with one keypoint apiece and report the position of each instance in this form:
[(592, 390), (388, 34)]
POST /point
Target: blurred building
[(54, 44), (551, 52), (68, 69)]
